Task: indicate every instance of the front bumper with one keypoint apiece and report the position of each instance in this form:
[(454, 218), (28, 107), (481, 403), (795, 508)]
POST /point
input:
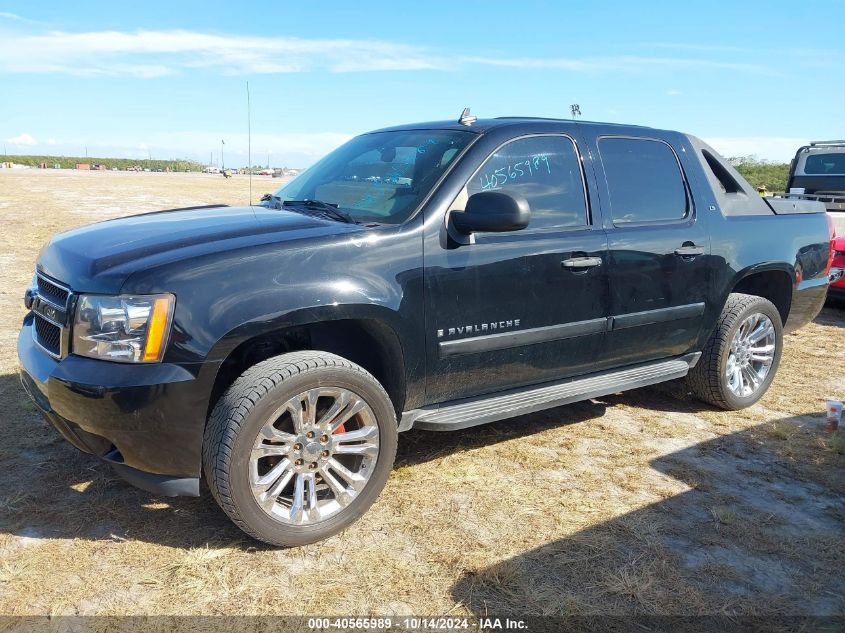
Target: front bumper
[(146, 421)]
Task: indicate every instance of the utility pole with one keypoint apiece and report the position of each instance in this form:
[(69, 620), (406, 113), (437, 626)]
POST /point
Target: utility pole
[(222, 162), (249, 141)]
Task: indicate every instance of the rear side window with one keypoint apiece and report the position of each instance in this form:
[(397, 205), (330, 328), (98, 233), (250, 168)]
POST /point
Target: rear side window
[(644, 179), (543, 169), (825, 165)]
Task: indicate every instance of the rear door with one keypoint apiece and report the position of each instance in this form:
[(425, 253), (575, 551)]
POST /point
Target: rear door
[(658, 248)]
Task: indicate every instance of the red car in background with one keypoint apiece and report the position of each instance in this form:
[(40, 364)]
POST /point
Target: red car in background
[(837, 287)]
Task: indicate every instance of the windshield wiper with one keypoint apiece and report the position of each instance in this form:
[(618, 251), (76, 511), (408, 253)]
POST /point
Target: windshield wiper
[(320, 209)]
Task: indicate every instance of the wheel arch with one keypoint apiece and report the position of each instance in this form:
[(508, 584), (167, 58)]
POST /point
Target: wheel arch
[(772, 282), (365, 339)]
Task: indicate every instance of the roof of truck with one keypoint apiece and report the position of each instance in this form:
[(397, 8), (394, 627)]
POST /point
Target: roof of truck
[(481, 126)]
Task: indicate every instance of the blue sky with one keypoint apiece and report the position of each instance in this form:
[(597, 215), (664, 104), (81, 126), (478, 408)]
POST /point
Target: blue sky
[(168, 79)]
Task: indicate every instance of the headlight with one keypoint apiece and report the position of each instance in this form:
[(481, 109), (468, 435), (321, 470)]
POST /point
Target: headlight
[(127, 329)]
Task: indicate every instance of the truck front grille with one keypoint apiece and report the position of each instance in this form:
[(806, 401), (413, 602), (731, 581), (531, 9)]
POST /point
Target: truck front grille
[(52, 292), (51, 309), (48, 335)]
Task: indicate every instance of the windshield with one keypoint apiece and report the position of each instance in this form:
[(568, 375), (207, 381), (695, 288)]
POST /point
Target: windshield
[(380, 177), (828, 164)]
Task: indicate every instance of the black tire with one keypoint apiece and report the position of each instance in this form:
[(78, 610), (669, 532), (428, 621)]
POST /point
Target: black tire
[(707, 380), (246, 406)]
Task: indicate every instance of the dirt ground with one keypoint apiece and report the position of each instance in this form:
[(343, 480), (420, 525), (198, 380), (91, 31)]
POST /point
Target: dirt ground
[(646, 502)]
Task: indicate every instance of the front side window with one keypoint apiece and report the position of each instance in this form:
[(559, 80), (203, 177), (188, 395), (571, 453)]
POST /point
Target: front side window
[(832, 164), (644, 179), (543, 169), (381, 177)]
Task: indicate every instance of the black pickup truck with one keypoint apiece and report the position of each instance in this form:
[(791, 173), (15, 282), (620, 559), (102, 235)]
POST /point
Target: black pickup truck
[(433, 276)]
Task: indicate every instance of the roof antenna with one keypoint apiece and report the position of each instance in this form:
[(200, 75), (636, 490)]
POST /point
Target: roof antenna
[(575, 109), (249, 142), (466, 118)]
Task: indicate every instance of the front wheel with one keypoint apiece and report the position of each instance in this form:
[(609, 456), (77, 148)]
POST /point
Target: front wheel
[(299, 447), (740, 359)]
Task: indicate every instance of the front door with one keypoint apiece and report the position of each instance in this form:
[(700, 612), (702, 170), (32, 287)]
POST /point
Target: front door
[(658, 250), (523, 307)]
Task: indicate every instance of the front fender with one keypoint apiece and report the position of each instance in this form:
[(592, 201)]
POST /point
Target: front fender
[(309, 316), (223, 297)]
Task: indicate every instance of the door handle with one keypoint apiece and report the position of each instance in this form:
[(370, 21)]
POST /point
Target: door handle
[(689, 250), (578, 263)]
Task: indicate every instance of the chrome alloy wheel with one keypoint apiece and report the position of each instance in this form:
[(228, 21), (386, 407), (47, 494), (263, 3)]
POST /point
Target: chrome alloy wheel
[(751, 355), (314, 455)]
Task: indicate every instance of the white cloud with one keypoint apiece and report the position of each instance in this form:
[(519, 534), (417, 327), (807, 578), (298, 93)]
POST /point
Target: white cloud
[(803, 55), (627, 63), (156, 53), (753, 50), (22, 139), (775, 148), (150, 54), (673, 93), (5, 15), (51, 141)]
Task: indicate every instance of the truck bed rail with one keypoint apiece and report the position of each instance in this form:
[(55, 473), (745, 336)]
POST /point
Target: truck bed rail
[(834, 197)]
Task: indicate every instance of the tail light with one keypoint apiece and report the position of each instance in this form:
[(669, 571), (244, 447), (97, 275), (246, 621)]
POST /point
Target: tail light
[(832, 230)]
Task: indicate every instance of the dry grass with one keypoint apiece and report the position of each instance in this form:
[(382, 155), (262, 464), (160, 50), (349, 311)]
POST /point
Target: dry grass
[(645, 502)]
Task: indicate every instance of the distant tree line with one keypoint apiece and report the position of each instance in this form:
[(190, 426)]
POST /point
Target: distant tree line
[(69, 162), (762, 173), (757, 172)]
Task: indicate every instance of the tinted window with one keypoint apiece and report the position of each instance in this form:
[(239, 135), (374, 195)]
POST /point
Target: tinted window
[(543, 169), (644, 179), (379, 177), (825, 164)]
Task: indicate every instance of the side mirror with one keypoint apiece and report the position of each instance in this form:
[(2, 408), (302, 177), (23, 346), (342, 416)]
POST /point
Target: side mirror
[(492, 212)]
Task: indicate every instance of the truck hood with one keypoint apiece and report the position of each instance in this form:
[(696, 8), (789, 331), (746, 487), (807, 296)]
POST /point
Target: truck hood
[(98, 258)]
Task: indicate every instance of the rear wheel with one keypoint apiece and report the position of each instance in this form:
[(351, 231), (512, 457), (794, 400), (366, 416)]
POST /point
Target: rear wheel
[(299, 447), (742, 355)]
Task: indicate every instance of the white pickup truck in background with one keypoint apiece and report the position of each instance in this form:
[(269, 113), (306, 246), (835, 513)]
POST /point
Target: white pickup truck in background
[(817, 173)]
